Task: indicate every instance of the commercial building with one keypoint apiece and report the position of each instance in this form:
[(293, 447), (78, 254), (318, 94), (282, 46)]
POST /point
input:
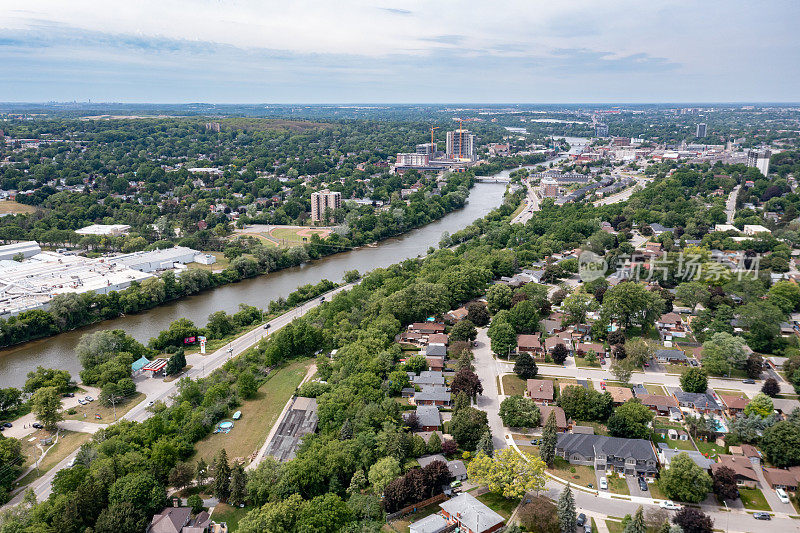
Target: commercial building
[(104, 229), (324, 201), (549, 188), (701, 130), (155, 260), (759, 159), (26, 248), (460, 144), (426, 149), (601, 130), (412, 160)]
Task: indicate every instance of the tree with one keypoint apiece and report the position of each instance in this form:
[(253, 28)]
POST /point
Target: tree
[(630, 304), (181, 475), (436, 474), (221, 487), (760, 405), (435, 443), (201, 472), (357, 483), (559, 354), (693, 520), (467, 426), (176, 363), (525, 367), (577, 305), (195, 501), (382, 473), (547, 448), (519, 412), (464, 330), (508, 473), (468, 382), (694, 380), (486, 445), (10, 400), (781, 444), (539, 514), (786, 295), (47, 377), (449, 447), (238, 484), (141, 489), (566, 510), (498, 297), (478, 314), (622, 372), (771, 387), (247, 386), (638, 351), (46, 405), (724, 483), (503, 337), (684, 480), (524, 317), (122, 517), (725, 346), (630, 420), (692, 293), (762, 320), (580, 403), (754, 365), (636, 523)]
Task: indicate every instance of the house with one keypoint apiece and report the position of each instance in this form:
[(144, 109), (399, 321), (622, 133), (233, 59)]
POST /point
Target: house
[(179, 520), (407, 392), (667, 454), (702, 402), (785, 406), (530, 344), (438, 338), (456, 315), (619, 395), (741, 466), (658, 229), (435, 350), (456, 467), (540, 390), (746, 450), (428, 417), (470, 515), (779, 478), (561, 417), (671, 356), (435, 363), (434, 523), (433, 395), (612, 454), (427, 377), (586, 347), (658, 403), (427, 328), (552, 342), (734, 404), (670, 325)]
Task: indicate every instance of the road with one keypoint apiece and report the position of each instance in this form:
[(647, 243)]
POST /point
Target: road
[(625, 193), (730, 204), (157, 389), (487, 368)]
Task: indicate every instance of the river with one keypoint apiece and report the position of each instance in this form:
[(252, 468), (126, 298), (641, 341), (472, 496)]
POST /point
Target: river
[(59, 351)]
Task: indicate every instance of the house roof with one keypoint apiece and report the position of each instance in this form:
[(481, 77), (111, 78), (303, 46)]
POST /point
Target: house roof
[(529, 341), (698, 400), (457, 468), (732, 401), (586, 346), (472, 513), (658, 401), (430, 524), (778, 476), (428, 459), (591, 445), (785, 405), (551, 342), (670, 355), (427, 327), (620, 394), (428, 415), (170, 520), (750, 451), (435, 362), (459, 313), (427, 377), (561, 418), (670, 318), (439, 350), (699, 459), (540, 389), (739, 464), (433, 394), (438, 338)]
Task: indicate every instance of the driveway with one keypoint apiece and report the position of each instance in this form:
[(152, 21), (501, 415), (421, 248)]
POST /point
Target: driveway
[(633, 487), (771, 496), (487, 369)]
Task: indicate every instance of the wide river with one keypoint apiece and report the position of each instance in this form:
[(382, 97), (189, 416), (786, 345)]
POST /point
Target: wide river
[(59, 351)]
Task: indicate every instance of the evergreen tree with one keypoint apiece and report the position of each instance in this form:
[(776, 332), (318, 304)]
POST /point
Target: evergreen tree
[(238, 484), (222, 476), (346, 433), (201, 472), (486, 445), (462, 400), (435, 443), (566, 511), (357, 483), (547, 448), (636, 525)]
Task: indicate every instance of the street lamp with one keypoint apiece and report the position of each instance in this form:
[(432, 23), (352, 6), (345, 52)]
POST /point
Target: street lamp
[(728, 518)]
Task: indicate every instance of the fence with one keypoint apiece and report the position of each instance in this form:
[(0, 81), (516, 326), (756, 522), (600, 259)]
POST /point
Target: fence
[(413, 508)]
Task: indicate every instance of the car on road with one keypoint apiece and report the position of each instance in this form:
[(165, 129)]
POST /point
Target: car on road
[(581, 519), (266, 326), (37, 425), (322, 299), (762, 516), (89, 399), (535, 442), (642, 485), (229, 350), (603, 483), (749, 381), (7, 425), (782, 496), (151, 403), (68, 395), (669, 505)]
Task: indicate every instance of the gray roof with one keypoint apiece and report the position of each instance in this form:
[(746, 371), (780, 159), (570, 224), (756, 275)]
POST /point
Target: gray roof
[(658, 228), (590, 445), (428, 377), (699, 459), (670, 355), (472, 513), (428, 415), (438, 350), (430, 524), (428, 459), (432, 394), (785, 405), (457, 468), (698, 400)]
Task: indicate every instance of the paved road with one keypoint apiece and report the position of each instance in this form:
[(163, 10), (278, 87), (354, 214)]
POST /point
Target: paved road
[(23, 426), (730, 204), (488, 369), (157, 389)]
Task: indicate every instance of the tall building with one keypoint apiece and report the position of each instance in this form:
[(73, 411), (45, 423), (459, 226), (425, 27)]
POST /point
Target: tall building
[(701, 130), (601, 130), (322, 201), (549, 187), (426, 149), (460, 145), (759, 159), (412, 160)]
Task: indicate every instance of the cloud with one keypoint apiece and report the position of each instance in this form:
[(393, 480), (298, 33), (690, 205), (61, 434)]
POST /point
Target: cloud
[(396, 11)]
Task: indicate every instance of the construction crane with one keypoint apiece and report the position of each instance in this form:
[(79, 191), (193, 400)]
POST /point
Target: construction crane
[(460, 132), (436, 128)]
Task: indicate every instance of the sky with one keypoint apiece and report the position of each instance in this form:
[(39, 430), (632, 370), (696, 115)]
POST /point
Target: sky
[(426, 51)]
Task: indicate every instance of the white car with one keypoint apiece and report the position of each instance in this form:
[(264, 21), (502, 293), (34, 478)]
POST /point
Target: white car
[(669, 505), (782, 496), (603, 483)]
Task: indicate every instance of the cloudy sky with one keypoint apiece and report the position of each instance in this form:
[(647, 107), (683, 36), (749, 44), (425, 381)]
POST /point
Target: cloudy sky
[(229, 51)]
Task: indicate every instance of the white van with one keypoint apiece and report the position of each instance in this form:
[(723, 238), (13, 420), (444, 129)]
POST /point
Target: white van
[(782, 496), (603, 483)]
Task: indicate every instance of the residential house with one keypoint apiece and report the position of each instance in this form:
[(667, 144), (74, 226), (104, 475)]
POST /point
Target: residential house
[(671, 325), (561, 417), (540, 390), (658, 229), (456, 315), (428, 418), (427, 377), (179, 520), (612, 454), (747, 450), (741, 466), (552, 342), (433, 395), (702, 402), (734, 404), (434, 523), (470, 515), (619, 395), (435, 350), (779, 478), (456, 467), (438, 338), (660, 404), (671, 356), (427, 328), (667, 454), (530, 344), (785, 406), (435, 363), (586, 347)]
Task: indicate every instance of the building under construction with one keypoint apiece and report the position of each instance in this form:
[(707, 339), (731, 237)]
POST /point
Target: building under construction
[(461, 145)]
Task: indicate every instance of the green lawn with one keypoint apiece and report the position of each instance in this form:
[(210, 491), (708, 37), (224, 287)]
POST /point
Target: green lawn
[(229, 514), (580, 362), (754, 499), (68, 442), (502, 506), (512, 385), (709, 448), (578, 474), (87, 412), (653, 388), (617, 485), (614, 526)]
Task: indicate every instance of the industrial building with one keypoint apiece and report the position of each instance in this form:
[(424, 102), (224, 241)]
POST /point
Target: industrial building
[(104, 229), (322, 201), (155, 260), (461, 145), (26, 248)]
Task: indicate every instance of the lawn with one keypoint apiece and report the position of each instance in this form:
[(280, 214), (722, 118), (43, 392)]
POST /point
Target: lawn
[(754, 499), (89, 411), (653, 388), (288, 236), (402, 523), (221, 264), (229, 514), (258, 416), (502, 506), (68, 442), (14, 208), (617, 485), (582, 475), (580, 362), (614, 526), (709, 448), (599, 428), (655, 492), (512, 385)]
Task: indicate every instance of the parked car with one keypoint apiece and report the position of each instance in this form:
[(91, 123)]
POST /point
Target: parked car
[(581, 519), (82, 401), (89, 399), (762, 516), (642, 485), (587, 528), (37, 425), (68, 395), (604, 483), (669, 505), (782, 496), (2, 428), (7, 425), (749, 381)]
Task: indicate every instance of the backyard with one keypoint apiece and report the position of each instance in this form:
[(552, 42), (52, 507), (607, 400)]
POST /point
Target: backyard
[(229, 514)]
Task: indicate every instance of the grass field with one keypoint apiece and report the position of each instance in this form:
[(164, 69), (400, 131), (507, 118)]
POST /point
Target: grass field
[(106, 413), (68, 442), (503, 506), (15, 208), (653, 388), (229, 514), (754, 499), (617, 485), (512, 385), (221, 264), (582, 476), (258, 416), (290, 236)]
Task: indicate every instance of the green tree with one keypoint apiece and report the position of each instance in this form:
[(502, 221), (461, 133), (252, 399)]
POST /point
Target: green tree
[(638, 352), (577, 305), (195, 501), (238, 484), (684, 480), (566, 510), (486, 445), (726, 347), (508, 473), (382, 473), (47, 377), (221, 487), (46, 405), (622, 371), (122, 517), (630, 304), (781, 444), (636, 523), (464, 330), (694, 380), (467, 426), (547, 448), (538, 514), (176, 363), (504, 339), (201, 472), (692, 293), (760, 405), (434, 443), (247, 386), (478, 314), (519, 412), (786, 295), (630, 420), (499, 297), (525, 367)]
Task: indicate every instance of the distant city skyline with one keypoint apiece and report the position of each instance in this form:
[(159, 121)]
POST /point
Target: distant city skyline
[(246, 51)]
